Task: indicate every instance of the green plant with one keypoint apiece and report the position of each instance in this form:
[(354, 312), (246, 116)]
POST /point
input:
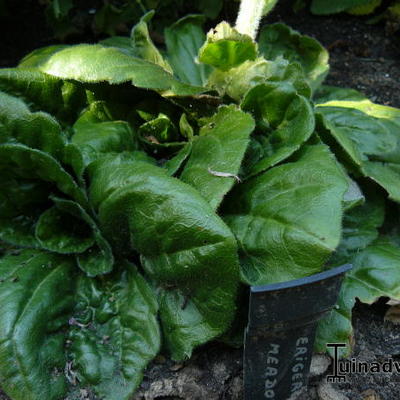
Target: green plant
[(358, 7), (142, 190), (68, 17)]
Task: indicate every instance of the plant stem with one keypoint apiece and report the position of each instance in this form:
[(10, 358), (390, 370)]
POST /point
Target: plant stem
[(250, 14), (249, 17)]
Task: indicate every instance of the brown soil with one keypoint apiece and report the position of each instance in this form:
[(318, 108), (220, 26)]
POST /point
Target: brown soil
[(215, 372), (363, 57)]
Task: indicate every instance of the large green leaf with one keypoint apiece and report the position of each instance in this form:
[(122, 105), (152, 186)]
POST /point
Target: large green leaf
[(95, 63), (36, 299), (142, 45), (369, 136), (239, 80), (44, 92), (327, 93), (23, 162), (288, 220), (375, 273), (387, 115), (113, 329), (291, 72), (21, 203), (123, 43), (59, 232), (114, 333), (36, 130), (278, 40), (285, 121), (360, 227), (226, 48), (236, 82), (38, 56), (183, 40), (98, 259), (93, 139), (185, 247), (28, 178), (217, 153)]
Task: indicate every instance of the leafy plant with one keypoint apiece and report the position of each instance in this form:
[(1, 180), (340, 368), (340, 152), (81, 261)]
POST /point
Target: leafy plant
[(356, 7), (142, 188), (389, 11), (110, 17)]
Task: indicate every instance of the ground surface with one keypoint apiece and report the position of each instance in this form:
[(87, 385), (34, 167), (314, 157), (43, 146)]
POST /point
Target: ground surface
[(363, 57)]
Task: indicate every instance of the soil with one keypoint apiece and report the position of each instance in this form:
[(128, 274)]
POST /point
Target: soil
[(215, 372), (363, 57)]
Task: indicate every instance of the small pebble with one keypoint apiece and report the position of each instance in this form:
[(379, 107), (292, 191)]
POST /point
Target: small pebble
[(327, 392), (319, 364), (176, 367), (370, 394)]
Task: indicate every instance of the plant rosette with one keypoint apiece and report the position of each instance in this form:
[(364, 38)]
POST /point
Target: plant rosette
[(141, 190)]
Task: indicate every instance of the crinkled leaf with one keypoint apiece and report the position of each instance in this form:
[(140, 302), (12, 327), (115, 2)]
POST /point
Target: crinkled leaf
[(375, 273), (288, 220), (92, 140), (236, 82), (360, 135), (113, 329), (183, 40), (21, 203), (218, 150), (28, 177), (185, 247), (43, 92), (25, 163), (143, 46), (370, 139), (36, 130), (226, 48), (285, 121), (36, 298), (96, 63), (98, 259), (19, 230), (59, 232), (291, 72), (159, 130), (278, 40), (96, 112), (119, 334), (360, 227)]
